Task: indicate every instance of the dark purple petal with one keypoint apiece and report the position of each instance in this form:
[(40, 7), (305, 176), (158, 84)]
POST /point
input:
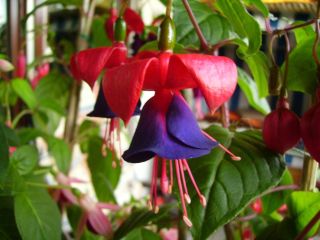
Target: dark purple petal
[(152, 138), (101, 108), (182, 125)]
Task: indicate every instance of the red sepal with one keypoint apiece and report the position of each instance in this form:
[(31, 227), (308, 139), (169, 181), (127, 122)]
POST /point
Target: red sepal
[(133, 21)]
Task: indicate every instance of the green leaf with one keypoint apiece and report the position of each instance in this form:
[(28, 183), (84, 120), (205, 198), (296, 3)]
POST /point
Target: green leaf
[(259, 68), (302, 33), (303, 206), (302, 74), (104, 177), (214, 27), (229, 186), (4, 153), (250, 89), (243, 23), (141, 218), (25, 159), (12, 138), (60, 150), (51, 2), (259, 5), (99, 36), (24, 91), (153, 46), (279, 231), (87, 130), (52, 105), (7, 94), (37, 216), (142, 234), (8, 227), (273, 201)]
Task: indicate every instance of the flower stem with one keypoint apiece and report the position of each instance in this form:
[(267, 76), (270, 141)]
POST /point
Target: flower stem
[(309, 174), (19, 116), (309, 226), (290, 28), (169, 8), (73, 106), (225, 115), (203, 41)]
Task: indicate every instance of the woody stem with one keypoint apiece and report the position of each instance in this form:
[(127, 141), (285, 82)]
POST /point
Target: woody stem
[(203, 41)]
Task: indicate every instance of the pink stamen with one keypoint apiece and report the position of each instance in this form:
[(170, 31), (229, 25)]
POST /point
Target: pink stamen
[(164, 178), (186, 194), (201, 197), (185, 213), (155, 194), (233, 157), (171, 177)]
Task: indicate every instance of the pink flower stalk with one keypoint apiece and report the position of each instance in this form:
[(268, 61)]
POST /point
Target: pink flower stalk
[(65, 196), (21, 64), (94, 218), (42, 71)]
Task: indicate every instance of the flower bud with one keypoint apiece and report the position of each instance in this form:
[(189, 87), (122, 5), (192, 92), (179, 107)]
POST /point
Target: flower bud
[(167, 35), (310, 131), (281, 128), (5, 66)]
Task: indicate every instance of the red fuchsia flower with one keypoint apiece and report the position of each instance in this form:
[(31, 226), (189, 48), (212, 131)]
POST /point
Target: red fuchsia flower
[(87, 65), (215, 76), (65, 196), (21, 65), (94, 218), (281, 128), (163, 122), (310, 130), (132, 19), (42, 71)]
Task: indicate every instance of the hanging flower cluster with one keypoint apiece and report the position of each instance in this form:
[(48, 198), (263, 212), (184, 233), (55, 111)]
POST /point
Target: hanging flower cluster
[(167, 130)]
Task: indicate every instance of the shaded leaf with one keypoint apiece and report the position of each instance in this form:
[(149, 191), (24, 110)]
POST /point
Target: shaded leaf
[(229, 186), (12, 138), (142, 234), (8, 227), (243, 23), (4, 154), (25, 159), (141, 218), (24, 91), (214, 27), (302, 33), (250, 89), (259, 5), (37, 216), (60, 150), (104, 177)]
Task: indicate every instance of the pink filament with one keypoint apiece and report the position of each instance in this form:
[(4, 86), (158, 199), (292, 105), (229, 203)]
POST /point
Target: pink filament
[(186, 194), (164, 177), (233, 157)]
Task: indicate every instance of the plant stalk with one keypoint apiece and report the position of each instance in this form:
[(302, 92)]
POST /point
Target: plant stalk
[(309, 174)]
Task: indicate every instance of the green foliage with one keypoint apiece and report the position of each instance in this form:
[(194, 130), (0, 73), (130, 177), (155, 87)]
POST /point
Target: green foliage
[(98, 36), (142, 234), (302, 75), (25, 159), (229, 186), (243, 24), (8, 227), (4, 154), (141, 218), (36, 214), (259, 5), (23, 89), (214, 27), (104, 177), (250, 89)]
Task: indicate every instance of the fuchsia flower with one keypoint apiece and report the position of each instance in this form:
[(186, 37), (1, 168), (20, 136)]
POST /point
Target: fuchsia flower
[(94, 218), (197, 97), (310, 129), (281, 128), (215, 76), (161, 133), (65, 196), (42, 71), (132, 19), (87, 65), (21, 65)]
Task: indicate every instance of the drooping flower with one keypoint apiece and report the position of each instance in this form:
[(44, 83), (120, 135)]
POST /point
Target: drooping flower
[(87, 65), (310, 130), (133, 21), (168, 132), (281, 128), (41, 72), (197, 98), (65, 196), (21, 65), (94, 218)]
